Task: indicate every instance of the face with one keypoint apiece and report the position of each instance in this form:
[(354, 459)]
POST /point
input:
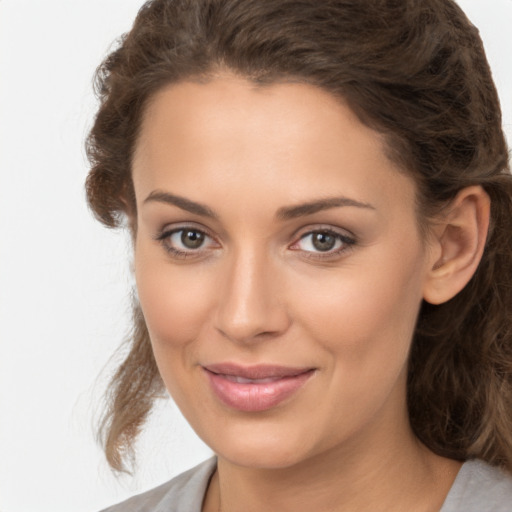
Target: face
[(279, 268)]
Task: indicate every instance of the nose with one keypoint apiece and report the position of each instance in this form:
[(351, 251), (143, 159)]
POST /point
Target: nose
[(250, 301)]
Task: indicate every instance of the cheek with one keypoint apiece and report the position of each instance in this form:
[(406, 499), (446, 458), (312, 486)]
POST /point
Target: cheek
[(175, 304), (174, 300), (366, 314), (363, 323)]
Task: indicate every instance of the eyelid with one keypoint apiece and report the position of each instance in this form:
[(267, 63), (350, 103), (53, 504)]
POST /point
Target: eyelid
[(347, 238), (177, 226), (170, 229), (327, 228)]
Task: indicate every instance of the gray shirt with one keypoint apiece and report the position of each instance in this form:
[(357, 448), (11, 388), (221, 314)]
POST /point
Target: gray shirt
[(477, 488)]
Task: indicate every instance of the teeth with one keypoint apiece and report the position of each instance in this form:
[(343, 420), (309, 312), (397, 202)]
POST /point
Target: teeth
[(243, 380)]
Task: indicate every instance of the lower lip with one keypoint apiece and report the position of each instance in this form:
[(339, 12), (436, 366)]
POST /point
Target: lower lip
[(258, 396)]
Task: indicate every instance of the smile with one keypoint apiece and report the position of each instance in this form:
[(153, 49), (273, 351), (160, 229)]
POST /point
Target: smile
[(255, 388)]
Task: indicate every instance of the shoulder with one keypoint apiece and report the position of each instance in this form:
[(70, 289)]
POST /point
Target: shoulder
[(480, 487), (183, 493)]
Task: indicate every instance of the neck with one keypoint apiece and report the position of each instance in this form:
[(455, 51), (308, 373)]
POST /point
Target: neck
[(370, 472)]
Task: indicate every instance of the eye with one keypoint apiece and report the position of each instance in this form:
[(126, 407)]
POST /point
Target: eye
[(189, 238), (185, 242), (323, 243)]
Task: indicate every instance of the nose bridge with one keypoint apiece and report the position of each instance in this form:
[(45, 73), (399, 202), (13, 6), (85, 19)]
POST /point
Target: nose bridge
[(249, 302)]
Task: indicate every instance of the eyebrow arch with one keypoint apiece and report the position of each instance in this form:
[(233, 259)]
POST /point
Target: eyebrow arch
[(292, 212), (285, 213), (181, 202)]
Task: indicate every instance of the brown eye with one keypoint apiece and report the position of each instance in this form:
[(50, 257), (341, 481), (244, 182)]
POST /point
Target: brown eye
[(192, 239), (323, 241), (187, 242)]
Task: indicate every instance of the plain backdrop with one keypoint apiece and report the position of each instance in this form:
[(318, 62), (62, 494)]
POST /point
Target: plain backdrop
[(64, 279)]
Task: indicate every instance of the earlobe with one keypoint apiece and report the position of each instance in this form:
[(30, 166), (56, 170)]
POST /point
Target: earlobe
[(460, 237)]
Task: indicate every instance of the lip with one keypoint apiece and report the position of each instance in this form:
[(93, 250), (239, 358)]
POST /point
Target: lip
[(255, 388)]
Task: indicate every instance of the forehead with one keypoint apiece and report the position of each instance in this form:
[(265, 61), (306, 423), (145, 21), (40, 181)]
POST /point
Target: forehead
[(287, 112), (229, 131)]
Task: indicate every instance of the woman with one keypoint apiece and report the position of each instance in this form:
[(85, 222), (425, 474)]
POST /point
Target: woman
[(319, 198)]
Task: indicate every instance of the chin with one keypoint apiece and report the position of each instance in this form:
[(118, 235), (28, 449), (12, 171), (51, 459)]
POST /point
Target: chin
[(261, 446), (270, 457)]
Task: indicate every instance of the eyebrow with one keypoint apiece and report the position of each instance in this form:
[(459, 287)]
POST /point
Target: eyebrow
[(181, 202), (291, 212), (284, 213)]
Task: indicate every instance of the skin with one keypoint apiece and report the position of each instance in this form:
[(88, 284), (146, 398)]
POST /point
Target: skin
[(257, 291)]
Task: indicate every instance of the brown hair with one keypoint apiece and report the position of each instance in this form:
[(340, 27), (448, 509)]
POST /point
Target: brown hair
[(415, 70)]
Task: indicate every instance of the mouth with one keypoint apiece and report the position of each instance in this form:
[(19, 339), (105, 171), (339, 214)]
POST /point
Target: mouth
[(255, 388)]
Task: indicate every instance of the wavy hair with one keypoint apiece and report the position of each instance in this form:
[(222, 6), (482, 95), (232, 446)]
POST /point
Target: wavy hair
[(415, 71)]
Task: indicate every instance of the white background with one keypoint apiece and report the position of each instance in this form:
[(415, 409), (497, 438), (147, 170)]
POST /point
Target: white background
[(64, 279)]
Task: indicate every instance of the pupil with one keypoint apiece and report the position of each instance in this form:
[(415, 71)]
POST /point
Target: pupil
[(323, 241), (192, 239)]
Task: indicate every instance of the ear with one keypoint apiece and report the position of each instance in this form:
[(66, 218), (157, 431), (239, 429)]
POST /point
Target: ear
[(458, 242)]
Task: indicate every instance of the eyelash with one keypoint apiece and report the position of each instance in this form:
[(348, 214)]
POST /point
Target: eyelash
[(347, 242), (165, 236)]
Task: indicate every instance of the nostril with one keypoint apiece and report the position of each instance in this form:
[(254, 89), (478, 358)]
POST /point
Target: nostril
[(249, 306), (249, 335)]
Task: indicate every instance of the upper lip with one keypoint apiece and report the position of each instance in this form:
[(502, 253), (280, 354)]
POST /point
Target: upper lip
[(260, 371)]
